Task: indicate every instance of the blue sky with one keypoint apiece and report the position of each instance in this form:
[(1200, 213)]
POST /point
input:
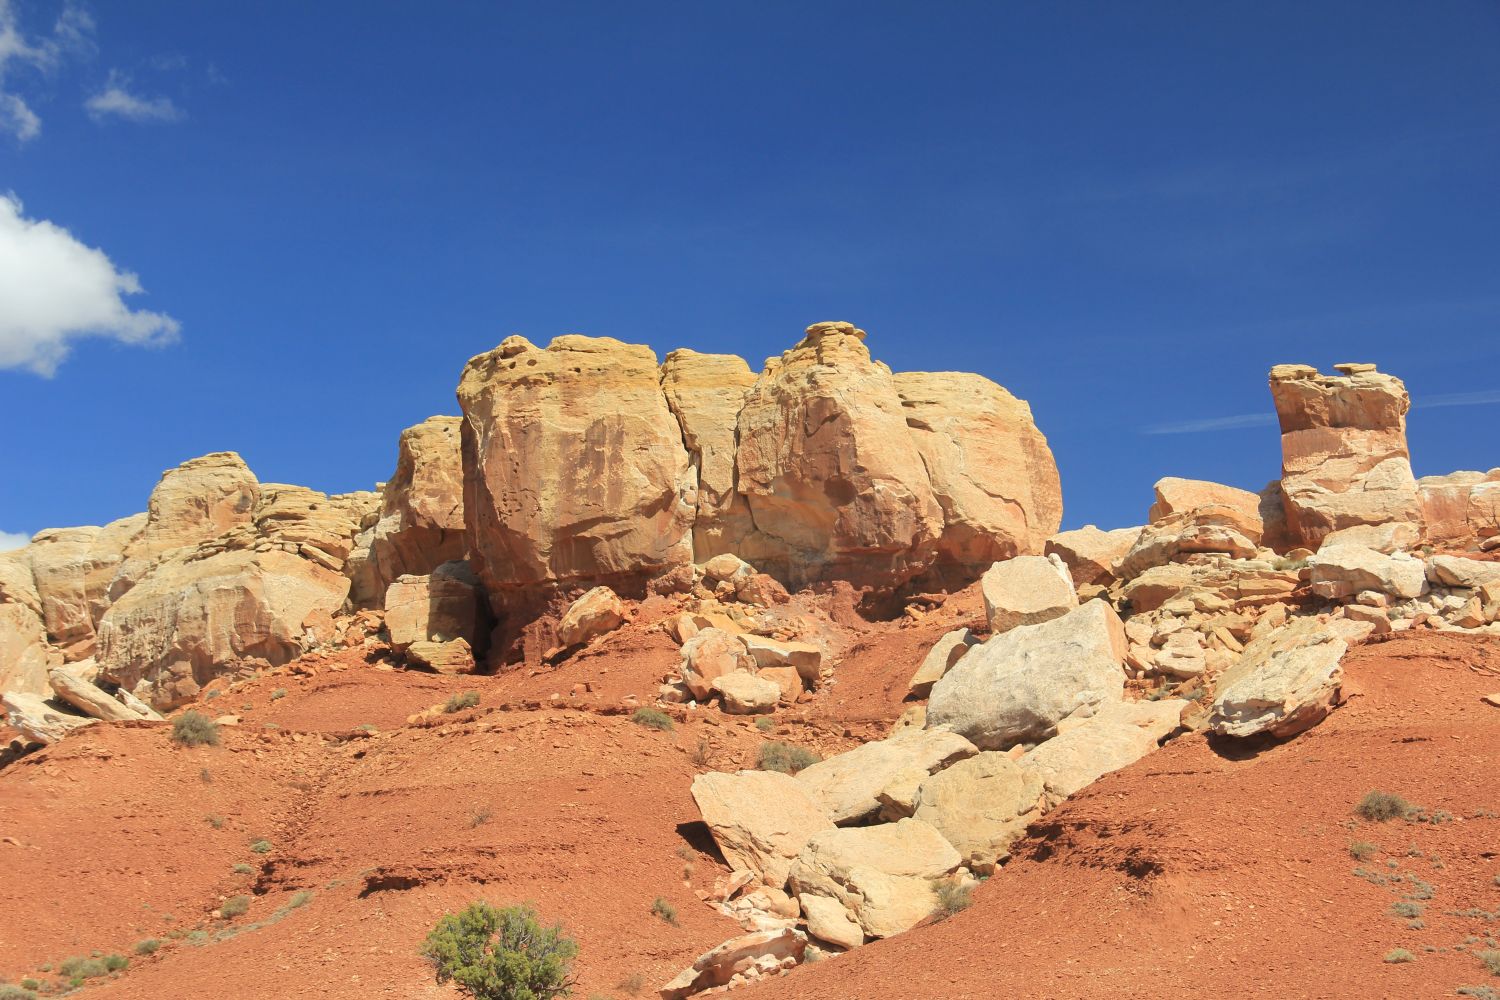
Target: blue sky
[(1125, 213)]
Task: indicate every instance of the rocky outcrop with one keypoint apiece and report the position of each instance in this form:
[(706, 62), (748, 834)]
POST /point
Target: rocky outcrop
[(761, 820), (1092, 555), (89, 699), (421, 522), (574, 467), (198, 500), (1345, 462), (1183, 496), (706, 392), (24, 652), (1018, 686), (738, 960), (1345, 571), (990, 468), (74, 570), (438, 607), (1461, 509)]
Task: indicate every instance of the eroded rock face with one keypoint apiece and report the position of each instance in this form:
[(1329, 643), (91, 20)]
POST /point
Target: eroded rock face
[(990, 467), (192, 619), (200, 499), (73, 570), (421, 524), (1342, 571), (706, 392), (574, 466), (439, 607), (833, 480), (1345, 462), (1018, 686)]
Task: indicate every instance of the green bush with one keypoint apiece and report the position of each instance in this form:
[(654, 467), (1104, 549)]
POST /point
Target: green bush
[(234, 906), (665, 910), (459, 702), (1490, 960), (652, 718), (116, 963), (764, 724), (147, 947), (240, 868), (16, 993), (778, 756), (261, 847), (1380, 806), (1362, 850), (1398, 956), (278, 694), (192, 729), (502, 953)]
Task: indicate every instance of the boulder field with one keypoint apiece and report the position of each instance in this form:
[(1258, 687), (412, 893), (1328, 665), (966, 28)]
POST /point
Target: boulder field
[(864, 564)]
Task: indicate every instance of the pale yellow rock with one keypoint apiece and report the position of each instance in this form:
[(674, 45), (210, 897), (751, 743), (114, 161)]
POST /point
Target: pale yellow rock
[(981, 806), (1183, 496), (827, 920), (711, 654), (598, 612), (1344, 454), (87, 698), (442, 606), (1182, 655), (1027, 590), (939, 659), (37, 721), (198, 500), (848, 785), (1285, 682), (806, 658), (761, 820), (73, 569), (23, 650), (1085, 750), (574, 467), (990, 467), (1090, 554), (706, 392), (1207, 529), (451, 657), (746, 693), (753, 954), (834, 482), (1342, 571)]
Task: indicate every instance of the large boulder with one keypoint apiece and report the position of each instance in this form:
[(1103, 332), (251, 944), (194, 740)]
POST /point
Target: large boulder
[(438, 607), (1450, 513), (705, 392), (1345, 462), (193, 619), (1285, 682), (1211, 529), (1018, 686), (574, 467), (1342, 571), (747, 956), (882, 875), (847, 786), (1090, 554), (991, 470), (1183, 496), (981, 806), (36, 720), (761, 820), (421, 518), (835, 484), (598, 612), (709, 655), (1086, 749), (747, 694), (89, 699), (1455, 571), (23, 650), (200, 499), (1026, 590), (939, 660)]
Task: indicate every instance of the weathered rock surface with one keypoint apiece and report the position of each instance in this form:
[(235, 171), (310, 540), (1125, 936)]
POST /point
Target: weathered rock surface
[(746, 694), (834, 482), (87, 698), (847, 786), (1183, 496), (438, 607), (1455, 571), (1090, 554), (1342, 571), (455, 656), (882, 875), (574, 466), (200, 499), (706, 392), (598, 612), (421, 518), (709, 655), (1026, 590), (990, 468), (73, 569), (1210, 529), (749, 956), (1086, 749), (37, 721), (981, 806), (804, 657), (761, 820), (1284, 683), (192, 619), (939, 659), (23, 650), (1345, 461), (1018, 686)]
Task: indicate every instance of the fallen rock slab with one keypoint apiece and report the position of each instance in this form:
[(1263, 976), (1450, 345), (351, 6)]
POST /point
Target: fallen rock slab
[(747, 694), (939, 659), (38, 721), (981, 806), (847, 786), (761, 820), (1343, 571), (87, 698), (1284, 683), (709, 655), (1085, 750), (749, 956), (1027, 590)]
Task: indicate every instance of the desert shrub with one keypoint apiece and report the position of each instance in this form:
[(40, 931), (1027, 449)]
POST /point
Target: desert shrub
[(652, 718), (1478, 992), (278, 694), (116, 963), (30, 984), (953, 897), (764, 724), (665, 910), (1397, 956), (459, 702), (240, 868), (147, 947), (210, 696), (206, 776), (193, 729), (300, 898), (1490, 959), (16, 993), (703, 753), (1380, 806), (502, 953), (1362, 850), (1406, 909), (234, 906), (480, 816), (632, 984), (261, 846), (217, 822), (778, 756)]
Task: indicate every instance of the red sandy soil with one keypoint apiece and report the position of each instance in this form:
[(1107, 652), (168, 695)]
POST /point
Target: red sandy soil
[(1190, 873)]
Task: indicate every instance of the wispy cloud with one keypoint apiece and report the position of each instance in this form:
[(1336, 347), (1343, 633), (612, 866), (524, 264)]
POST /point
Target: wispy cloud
[(72, 32), (13, 540), (117, 101), (55, 289), (1482, 398), (1213, 424)]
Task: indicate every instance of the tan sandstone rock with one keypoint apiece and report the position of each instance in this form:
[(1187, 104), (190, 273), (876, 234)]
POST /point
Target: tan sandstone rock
[(1026, 590), (1345, 461), (88, 699), (1086, 749), (438, 607), (1090, 554), (1018, 686), (1183, 496), (200, 499), (746, 957), (981, 806), (709, 655), (37, 721), (939, 659), (598, 612), (1343, 571), (746, 693), (574, 467), (847, 786), (1284, 683), (761, 820)]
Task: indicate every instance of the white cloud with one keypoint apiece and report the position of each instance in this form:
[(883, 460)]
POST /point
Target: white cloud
[(1214, 424), (13, 540), (72, 32), (54, 289), (116, 99)]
